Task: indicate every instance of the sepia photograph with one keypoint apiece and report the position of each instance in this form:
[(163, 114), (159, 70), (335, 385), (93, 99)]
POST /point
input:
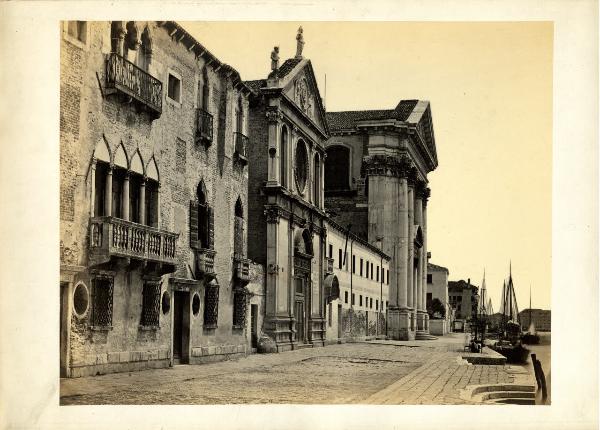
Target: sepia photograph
[(270, 215), (333, 221)]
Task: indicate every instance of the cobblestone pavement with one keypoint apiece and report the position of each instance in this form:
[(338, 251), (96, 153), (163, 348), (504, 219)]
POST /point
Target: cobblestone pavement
[(366, 372)]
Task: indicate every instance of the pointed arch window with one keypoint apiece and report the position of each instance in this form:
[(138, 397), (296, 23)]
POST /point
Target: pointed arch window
[(239, 230), (204, 120), (201, 221)]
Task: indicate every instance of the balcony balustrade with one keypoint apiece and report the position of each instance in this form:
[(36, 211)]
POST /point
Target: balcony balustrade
[(204, 126), (205, 263), (127, 78), (241, 268), (241, 147), (114, 237)]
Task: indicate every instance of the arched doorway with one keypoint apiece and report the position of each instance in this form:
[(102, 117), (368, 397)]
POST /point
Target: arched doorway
[(303, 254)]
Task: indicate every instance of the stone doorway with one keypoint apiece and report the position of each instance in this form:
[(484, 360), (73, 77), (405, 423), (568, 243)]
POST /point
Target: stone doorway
[(181, 317), (64, 332)]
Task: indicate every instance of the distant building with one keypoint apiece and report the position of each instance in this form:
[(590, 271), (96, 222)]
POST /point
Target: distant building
[(464, 298), (541, 318), (437, 288)]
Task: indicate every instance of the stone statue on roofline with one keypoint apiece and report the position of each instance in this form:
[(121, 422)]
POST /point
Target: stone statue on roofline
[(275, 59), (299, 42)]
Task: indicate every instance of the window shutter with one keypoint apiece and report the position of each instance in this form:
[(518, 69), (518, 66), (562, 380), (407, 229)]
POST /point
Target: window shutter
[(193, 224), (211, 228)]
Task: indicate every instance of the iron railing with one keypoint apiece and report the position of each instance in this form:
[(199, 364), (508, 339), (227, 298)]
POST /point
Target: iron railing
[(126, 77), (204, 126)]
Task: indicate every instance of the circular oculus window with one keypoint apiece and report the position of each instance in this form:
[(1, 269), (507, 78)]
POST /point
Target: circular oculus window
[(196, 305), (81, 300), (166, 303)]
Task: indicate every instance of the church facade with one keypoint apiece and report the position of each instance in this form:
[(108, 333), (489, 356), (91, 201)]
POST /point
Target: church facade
[(287, 221), (376, 181)]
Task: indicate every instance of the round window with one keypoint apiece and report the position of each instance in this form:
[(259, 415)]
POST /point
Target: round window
[(166, 302), (81, 300), (301, 165), (196, 304)]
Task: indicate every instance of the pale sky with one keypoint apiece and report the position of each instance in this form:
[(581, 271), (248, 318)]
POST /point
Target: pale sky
[(490, 88)]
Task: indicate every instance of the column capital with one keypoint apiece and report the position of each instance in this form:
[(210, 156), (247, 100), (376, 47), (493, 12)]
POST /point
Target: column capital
[(413, 176), (420, 187), (386, 165), (273, 114), (426, 195)]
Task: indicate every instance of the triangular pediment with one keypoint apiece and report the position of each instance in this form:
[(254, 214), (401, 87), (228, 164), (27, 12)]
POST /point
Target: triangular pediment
[(420, 118), (300, 87)]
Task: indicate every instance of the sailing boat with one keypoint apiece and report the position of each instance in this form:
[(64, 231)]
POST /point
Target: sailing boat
[(509, 344), (479, 323), (530, 337)]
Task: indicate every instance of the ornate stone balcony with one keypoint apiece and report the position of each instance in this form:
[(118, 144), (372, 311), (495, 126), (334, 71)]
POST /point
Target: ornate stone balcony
[(241, 268), (205, 263), (113, 237), (241, 147), (329, 266), (122, 76), (204, 126)]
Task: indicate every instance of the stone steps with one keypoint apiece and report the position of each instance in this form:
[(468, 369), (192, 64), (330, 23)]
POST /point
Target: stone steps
[(303, 345), (514, 401), (515, 394), (423, 335)]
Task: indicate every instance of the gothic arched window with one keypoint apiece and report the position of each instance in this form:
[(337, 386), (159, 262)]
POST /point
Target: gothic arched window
[(238, 229)]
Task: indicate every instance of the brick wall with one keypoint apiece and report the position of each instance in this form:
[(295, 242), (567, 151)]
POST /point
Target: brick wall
[(258, 172)]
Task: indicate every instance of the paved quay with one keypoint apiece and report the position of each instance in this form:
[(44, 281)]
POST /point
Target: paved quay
[(375, 372)]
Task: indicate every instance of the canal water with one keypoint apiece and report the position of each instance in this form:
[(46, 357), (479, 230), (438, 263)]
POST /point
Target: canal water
[(542, 351)]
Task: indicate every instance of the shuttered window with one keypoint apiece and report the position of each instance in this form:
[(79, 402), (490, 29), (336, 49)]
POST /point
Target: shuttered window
[(202, 226)]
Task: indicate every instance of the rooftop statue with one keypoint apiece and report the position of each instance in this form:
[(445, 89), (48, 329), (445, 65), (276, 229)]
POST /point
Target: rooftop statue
[(275, 58), (299, 42)]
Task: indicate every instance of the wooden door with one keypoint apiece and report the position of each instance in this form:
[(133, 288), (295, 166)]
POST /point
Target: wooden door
[(178, 311), (300, 316)]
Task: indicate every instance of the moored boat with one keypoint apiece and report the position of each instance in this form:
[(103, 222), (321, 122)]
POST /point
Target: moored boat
[(510, 344)]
